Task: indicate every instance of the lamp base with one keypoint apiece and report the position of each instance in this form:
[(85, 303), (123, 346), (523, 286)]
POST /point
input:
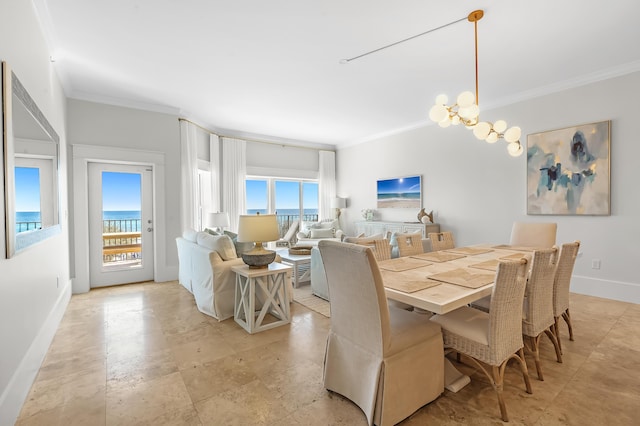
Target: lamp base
[(259, 257)]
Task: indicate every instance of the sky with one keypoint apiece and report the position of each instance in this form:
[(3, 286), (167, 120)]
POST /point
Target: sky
[(27, 189), (121, 191), (406, 184)]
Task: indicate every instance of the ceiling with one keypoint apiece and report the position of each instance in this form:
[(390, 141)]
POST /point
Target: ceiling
[(271, 69)]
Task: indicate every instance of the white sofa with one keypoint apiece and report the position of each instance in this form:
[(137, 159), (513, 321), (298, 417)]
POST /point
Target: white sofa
[(204, 269), (312, 232)]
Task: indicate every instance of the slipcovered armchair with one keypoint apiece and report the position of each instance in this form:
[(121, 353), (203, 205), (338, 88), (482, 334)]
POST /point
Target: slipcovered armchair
[(388, 361)]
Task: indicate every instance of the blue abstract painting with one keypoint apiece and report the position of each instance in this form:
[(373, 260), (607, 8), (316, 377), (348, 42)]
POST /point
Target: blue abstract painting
[(568, 171)]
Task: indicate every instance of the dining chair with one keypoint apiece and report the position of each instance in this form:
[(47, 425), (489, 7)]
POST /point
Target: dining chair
[(409, 244), (441, 240), (388, 361), (561, 286), (495, 337), (381, 249), (533, 234), (537, 308)]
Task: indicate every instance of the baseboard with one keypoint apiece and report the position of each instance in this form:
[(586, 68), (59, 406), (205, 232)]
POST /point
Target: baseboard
[(17, 390), (616, 290)]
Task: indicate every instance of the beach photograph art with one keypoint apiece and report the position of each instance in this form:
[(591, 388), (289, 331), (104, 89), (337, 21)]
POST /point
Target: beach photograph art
[(400, 192), (568, 171)]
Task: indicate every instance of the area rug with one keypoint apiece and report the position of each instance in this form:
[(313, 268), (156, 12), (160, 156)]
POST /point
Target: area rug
[(303, 296)]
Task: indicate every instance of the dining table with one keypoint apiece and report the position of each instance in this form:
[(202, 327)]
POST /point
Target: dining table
[(442, 281)]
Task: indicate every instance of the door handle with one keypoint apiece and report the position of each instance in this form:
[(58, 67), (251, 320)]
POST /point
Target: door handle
[(149, 229)]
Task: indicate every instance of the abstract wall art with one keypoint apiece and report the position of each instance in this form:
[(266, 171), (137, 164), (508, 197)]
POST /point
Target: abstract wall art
[(568, 171)]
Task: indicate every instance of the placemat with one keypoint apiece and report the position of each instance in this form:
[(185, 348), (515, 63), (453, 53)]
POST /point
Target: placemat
[(465, 277), (489, 265), (515, 256), (516, 248), (438, 256), (411, 286), (402, 264), (469, 250)]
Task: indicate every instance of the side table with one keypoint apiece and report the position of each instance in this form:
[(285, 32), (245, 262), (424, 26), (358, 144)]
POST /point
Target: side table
[(269, 287), (301, 264)]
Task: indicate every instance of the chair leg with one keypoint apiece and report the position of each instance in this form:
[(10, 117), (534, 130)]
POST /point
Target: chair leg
[(535, 343), (556, 330), (498, 384), (551, 335), (567, 319), (525, 371)]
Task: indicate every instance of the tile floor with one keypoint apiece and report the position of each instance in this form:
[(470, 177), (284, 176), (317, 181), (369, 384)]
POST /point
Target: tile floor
[(142, 354)]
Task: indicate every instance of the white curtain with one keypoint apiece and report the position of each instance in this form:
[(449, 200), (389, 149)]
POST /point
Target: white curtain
[(234, 172), (188, 176), (327, 183), (214, 168)]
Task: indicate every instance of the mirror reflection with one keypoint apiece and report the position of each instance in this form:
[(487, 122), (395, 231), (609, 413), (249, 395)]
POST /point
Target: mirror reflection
[(31, 169)]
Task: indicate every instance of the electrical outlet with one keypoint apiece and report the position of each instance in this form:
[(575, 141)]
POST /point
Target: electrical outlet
[(595, 264)]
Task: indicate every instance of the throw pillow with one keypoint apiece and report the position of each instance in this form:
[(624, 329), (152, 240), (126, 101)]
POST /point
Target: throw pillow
[(322, 233), (190, 235), (240, 247), (220, 243), (211, 231)]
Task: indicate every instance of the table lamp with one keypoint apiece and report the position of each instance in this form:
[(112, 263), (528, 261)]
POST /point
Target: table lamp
[(217, 220), (258, 229), (338, 203)]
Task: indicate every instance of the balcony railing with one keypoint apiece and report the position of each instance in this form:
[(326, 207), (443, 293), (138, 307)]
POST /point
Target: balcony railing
[(121, 240), (27, 226)]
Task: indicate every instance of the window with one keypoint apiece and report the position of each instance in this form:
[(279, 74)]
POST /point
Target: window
[(290, 199), (36, 206)]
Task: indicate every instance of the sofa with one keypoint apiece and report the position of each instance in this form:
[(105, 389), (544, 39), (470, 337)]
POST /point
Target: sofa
[(319, 285), (204, 268), (312, 232)]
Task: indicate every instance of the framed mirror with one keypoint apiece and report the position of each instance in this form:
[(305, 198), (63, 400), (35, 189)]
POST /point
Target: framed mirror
[(31, 165)]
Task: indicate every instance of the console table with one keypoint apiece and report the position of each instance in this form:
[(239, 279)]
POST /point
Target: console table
[(271, 283), (371, 227)]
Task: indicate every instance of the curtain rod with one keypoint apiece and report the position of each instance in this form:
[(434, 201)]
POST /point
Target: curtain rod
[(251, 140)]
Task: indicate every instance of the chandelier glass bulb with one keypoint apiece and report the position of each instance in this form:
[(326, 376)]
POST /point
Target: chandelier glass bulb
[(515, 149), (493, 137)]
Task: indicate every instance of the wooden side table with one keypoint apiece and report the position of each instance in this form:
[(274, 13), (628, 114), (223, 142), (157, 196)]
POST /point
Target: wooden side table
[(269, 287)]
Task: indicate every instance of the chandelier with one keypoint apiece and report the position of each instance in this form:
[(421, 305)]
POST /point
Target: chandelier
[(466, 111)]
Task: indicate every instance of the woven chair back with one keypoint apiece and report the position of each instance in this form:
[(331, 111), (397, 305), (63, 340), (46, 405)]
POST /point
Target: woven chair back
[(441, 240), (409, 244), (562, 282), (538, 296)]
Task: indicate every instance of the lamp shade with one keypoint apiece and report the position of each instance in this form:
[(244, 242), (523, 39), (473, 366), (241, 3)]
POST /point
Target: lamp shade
[(339, 203), (258, 228), (215, 220)]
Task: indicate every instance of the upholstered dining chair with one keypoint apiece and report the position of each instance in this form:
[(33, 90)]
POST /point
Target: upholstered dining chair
[(409, 244), (496, 337), (441, 240), (537, 309), (561, 286), (388, 361), (533, 234)]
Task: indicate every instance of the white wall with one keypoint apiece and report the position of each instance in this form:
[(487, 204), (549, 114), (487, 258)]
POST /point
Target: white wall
[(93, 124), (34, 285), (477, 190)]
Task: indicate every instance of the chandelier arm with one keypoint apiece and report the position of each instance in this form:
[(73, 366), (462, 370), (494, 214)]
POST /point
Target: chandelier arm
[(475, 27), (344, 61)]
